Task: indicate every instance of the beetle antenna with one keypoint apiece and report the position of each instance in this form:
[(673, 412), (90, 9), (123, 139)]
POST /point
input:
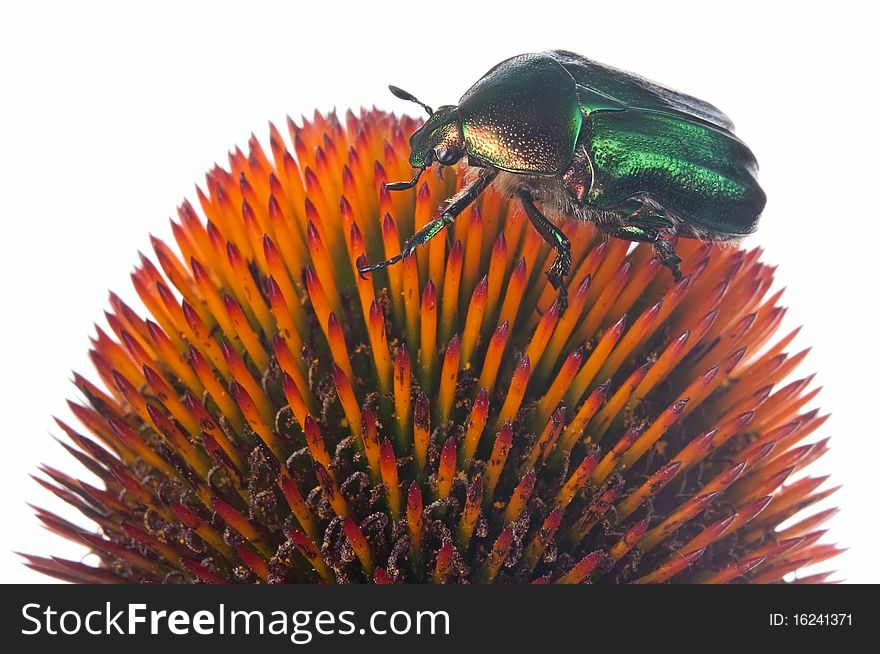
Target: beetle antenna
[(402, 186), (406, 95)]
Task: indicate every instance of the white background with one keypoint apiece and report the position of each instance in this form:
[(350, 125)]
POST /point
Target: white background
[(109, 114)]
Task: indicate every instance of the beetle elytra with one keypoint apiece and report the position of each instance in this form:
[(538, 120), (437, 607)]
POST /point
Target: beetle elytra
[(587, 141)]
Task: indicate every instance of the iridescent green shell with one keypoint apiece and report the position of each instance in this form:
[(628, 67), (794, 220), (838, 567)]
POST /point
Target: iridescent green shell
[(523, 116), (694, 170), (677, 149), (532, 113), (632, 91)]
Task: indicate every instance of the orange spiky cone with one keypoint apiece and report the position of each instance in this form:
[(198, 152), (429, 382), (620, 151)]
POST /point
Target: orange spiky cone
[(276, 417)]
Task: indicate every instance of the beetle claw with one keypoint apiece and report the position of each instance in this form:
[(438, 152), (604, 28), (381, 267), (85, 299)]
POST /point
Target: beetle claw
[(668, 257), (556, 277), (377, 266)]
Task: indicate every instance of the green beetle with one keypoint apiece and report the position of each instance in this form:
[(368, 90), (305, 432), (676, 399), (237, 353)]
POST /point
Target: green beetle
[(585, 140)]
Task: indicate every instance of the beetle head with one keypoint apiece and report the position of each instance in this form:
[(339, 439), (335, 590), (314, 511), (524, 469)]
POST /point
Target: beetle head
[(440, 139)]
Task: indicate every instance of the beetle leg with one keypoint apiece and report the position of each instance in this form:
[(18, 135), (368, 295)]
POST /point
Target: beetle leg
[(402, 186), (557, 240), (664, 250), (456, 205), (666, 253)]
